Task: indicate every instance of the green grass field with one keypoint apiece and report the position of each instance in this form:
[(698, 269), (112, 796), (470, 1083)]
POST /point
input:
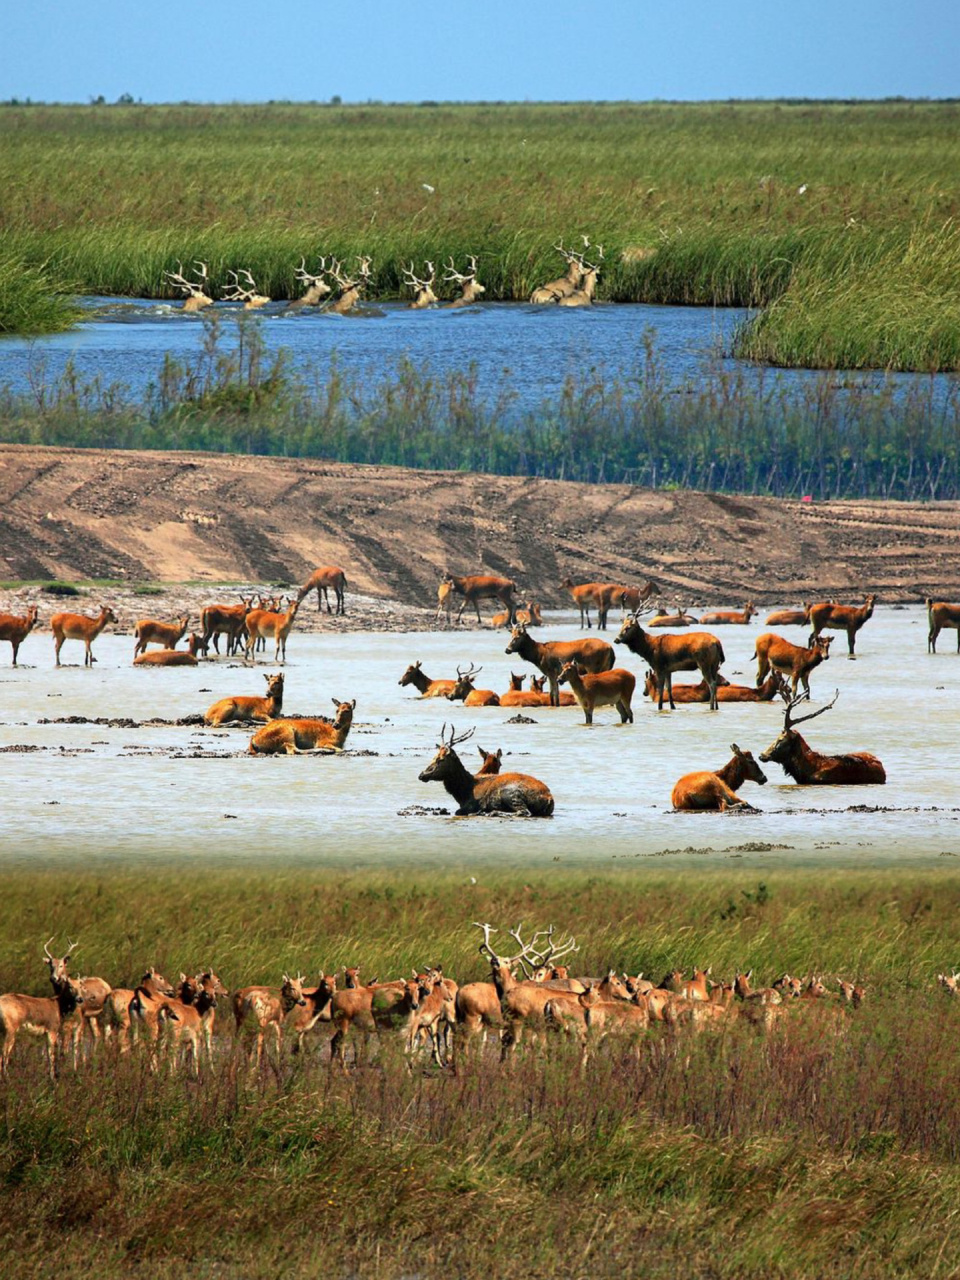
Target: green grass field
[(827, 1149), (694, 204)]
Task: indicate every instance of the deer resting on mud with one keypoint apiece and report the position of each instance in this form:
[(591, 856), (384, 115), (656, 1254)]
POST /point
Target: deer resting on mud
[(295, 737), (706, 791), (809, 767), (500, 793)]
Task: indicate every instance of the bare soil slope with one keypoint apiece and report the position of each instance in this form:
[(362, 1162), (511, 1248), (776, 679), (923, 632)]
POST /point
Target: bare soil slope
[(177, 517)]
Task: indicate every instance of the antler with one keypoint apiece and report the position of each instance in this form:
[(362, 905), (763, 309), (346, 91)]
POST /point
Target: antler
[(468, 675), (336, 271), (304, 276), (455, 738), (485, 947), (788, 722), (46, 949), (238, 293), (193, 288)]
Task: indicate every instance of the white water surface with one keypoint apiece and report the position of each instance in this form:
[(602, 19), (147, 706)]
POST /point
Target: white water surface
[(116, 801)]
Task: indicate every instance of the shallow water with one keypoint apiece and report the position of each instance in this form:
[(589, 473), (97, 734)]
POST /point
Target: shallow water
[(116, 800)]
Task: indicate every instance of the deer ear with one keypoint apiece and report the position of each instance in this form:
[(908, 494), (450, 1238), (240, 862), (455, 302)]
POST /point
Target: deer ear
[(335, 702), (499, 753), (353, 704)]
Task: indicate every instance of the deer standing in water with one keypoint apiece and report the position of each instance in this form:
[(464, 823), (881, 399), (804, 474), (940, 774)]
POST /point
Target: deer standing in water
[(15, 628), (809, 767), (471, 289), (698, 650), (554, 290), (252, 301), (74, 626), (195, 290), (940, 616), (167, 635), (351, 288), (583, 296), (592, 655), (716, 791), (604, 689), (423, 289), (261, 623), (315, 287), (840, 617), (774, 653), (501, 793)]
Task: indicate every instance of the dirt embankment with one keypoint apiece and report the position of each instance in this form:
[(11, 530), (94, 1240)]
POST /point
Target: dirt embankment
[(179, 517)]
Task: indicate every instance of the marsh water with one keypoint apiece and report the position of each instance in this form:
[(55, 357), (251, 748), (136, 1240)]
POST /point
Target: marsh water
[(89, 792)]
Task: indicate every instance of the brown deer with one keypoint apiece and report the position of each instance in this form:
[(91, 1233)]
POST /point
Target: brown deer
[(840, 617), (423, 289), (950, 982), (268, 1007), (166, 635), (217, 620), (315, 287), (37, 1016), (465, 692), (789, 617), (173, 657), (201, 992), (851, 993), (716, 791), (118, 1007), (352, 288), (195, 290), (236, 709), (527, 613), (16, 627), (761, 996), (295, 737), (583, 296), (730, 617), (774, 653), (263, 623), (587, 595), (252, 301), (74, 626), (549, 657), (563, 1010), (477, 587), (444, 600), (426, 687), (318, 1008), (605, 689), (491, 762), (522, 1002), (328, 577), (699, 692), (503, 793), (517, 696), (664, 619), (568, 283), (93, 990), (471, 289), (631, 598), (809, 767), (940, 616), (697, 651), (372, 1008)]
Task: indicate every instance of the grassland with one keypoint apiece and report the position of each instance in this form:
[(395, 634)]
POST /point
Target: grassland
[(829, 1150), (694, 203)]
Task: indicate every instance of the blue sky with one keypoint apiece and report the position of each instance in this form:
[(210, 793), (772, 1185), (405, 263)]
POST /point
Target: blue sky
[(215, 51)]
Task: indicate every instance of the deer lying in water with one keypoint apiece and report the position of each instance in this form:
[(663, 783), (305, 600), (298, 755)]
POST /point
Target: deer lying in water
[(549, 657), (528, 613), (809, 767), (173, 657), (583, 296), (426, 687), (789, 617), (605, 689), (517, 696), (252, 301), (234, 710), (423, 289), (940, 616), (503, 793), (774, 653), (470, 288), (74, 626), (465, 692), (699, 692), (328, 577), (16, 627), (840, 617), (679, 619), (166, 635), (295, 737), (666, 654), (195, 290), (730, 617), (716, 791)]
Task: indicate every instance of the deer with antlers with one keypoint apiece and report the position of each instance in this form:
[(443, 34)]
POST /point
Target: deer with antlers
[(465, 692), (522, 1002), (352, 288), (423, 289), (94, 992), (568, 283), (696, 651), (583, 295), (550, 656), (252, 301), (315, 287), (809, 767), (705, 791), (195, 290), (470, 287), (517, 793)]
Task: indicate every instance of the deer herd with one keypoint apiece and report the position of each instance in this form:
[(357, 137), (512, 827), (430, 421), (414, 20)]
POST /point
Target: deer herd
[(529, 995)]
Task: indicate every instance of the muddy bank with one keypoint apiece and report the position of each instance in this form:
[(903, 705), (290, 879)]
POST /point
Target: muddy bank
[(205, 519)]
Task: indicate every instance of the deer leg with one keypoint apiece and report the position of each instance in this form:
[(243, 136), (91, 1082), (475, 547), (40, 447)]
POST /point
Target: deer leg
[(851, 642)]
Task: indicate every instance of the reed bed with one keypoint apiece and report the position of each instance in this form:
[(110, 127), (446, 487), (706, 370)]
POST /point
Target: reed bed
[(828, 1150), (846, 210), (829, 437)]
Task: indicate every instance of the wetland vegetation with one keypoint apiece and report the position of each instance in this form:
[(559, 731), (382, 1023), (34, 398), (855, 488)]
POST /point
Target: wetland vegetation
[(838, 219), (830, 1149)]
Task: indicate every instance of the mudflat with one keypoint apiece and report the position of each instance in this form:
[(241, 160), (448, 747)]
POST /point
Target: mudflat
[(197, 517)]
